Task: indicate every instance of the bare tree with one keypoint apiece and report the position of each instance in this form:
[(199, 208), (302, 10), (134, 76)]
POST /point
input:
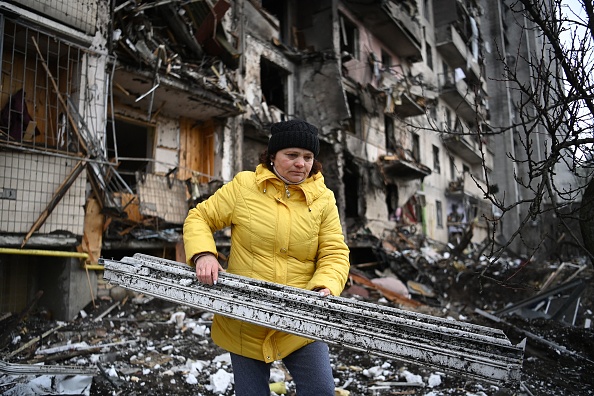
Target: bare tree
[(550, 72)]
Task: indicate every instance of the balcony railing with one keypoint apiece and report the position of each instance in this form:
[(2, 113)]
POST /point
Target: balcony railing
[(461, 143)]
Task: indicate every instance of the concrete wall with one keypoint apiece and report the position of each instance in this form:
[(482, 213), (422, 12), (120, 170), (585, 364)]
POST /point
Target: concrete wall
[(66, 287)]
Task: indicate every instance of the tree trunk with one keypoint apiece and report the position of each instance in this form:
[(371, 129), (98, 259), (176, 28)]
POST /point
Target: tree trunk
[(587, 218)]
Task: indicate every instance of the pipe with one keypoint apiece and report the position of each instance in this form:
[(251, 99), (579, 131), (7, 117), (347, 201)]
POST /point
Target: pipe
[(37, 252), (94, 267)]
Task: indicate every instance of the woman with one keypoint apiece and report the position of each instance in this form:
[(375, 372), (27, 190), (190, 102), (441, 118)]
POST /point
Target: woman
[(284, 229)]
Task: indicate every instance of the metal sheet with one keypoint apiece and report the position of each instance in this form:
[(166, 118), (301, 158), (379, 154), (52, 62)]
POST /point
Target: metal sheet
[(460, 348)]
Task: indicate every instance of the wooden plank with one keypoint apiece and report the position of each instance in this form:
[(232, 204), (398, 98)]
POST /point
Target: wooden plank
[(196, 148), (93, 229), (131, 206), (184, 149)]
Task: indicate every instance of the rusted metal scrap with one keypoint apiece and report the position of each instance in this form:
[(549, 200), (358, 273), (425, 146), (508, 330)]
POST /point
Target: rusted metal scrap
[(459, 348)]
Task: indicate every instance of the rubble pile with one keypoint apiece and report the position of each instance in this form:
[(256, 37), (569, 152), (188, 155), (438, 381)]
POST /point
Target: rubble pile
[(141, 345)]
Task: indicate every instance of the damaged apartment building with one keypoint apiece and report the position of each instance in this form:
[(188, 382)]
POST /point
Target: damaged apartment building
[(118, 116)]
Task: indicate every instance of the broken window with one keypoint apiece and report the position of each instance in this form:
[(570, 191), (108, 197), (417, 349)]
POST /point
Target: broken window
[(416, 147), (131, 146), (445, 71), (436, 163), (389, 131), (349, 39), (279, 10), (392, 202), (448, 120), (354, 123), (427, 9), (429, 55), (439, 214), (39, 94), (386, 61), (273, 82), (433, 113), (452, 168), (351, 178)]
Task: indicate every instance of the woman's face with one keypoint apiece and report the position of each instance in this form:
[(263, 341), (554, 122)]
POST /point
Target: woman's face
[(293, 164)]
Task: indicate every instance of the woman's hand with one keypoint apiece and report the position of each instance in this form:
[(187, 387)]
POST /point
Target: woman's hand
[(207, 269), (323, 291)]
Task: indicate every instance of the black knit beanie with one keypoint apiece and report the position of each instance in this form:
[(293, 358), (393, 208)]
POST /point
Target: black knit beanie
[(293, 133)]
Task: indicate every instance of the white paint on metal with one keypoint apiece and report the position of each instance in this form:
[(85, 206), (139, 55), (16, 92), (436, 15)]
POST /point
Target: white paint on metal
[(461, 348)]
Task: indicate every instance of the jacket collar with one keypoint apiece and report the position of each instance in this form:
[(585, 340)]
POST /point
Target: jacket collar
[(313, 187)]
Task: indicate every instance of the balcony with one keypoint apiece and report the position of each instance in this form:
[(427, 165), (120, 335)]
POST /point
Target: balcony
[(171, 96), (468, 191), (467, 186), (403, 167), (409, 105), (461, 98), (173, 71), (452, 47), (393, 22), (462, 145), (403, 98)]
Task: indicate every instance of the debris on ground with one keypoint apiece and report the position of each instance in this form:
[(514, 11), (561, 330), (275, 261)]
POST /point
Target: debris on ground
[(136, 344)]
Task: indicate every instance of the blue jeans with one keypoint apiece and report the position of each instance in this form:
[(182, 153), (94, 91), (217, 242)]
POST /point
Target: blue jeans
[(309, 366)]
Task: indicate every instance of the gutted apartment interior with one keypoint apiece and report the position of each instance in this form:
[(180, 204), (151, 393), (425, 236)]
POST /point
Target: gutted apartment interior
[(172, 92), (166, 101), (106, 140)]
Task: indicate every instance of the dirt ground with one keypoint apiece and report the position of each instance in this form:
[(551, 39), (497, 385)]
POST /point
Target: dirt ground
[(147, 346)]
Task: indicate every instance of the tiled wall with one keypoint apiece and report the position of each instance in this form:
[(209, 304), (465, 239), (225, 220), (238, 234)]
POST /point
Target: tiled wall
[(80, 14), (28, 183)]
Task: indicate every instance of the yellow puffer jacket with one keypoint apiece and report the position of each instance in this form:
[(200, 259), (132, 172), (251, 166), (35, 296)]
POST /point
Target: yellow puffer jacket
[(292, 238)]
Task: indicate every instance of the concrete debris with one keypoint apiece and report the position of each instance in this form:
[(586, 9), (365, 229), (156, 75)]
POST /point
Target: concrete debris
[(142, 344), (220, 381)]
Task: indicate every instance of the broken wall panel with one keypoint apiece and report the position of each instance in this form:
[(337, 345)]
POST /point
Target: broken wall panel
[(163, 197), (323, 96), (166, 160), (167, 146), (29, 182), (260, 23), (168, 133)]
